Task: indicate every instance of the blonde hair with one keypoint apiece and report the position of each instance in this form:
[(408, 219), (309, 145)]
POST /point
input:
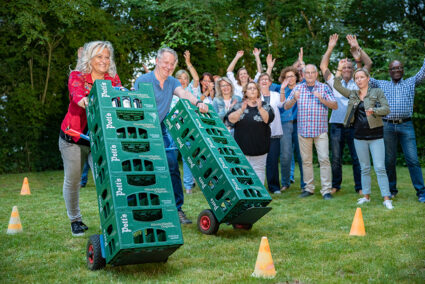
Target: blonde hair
[(181, 72), (218, 89), (364, 70), (90, 50)]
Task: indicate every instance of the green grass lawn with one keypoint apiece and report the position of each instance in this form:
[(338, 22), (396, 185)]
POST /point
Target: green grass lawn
[(308, 238)]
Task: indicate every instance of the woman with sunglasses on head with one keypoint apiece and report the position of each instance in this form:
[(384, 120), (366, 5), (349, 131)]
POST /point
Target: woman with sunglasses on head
[(366, 107)]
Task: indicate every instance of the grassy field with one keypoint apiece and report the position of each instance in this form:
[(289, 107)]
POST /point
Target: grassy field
[(308, 238)]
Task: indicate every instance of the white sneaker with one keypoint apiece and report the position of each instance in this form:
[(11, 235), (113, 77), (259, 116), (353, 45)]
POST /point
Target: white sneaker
[(363, 200), (388, 204)]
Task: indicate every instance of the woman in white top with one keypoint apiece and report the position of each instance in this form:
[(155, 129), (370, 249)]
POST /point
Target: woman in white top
[(242, 77), (275, 100)]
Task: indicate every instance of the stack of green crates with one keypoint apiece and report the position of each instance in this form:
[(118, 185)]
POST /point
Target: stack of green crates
[(138, 216), (222, 171)]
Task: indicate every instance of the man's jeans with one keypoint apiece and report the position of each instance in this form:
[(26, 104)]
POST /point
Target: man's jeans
[(405, 133), (173, 165), (339, 136), (289, 144), (187, 176), (377, 150)]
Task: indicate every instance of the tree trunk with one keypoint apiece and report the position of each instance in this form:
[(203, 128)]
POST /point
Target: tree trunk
[(49, 62), (30, 63)]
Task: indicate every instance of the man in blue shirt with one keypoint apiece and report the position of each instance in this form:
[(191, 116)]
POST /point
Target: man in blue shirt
[(165, 86), (398, 125)]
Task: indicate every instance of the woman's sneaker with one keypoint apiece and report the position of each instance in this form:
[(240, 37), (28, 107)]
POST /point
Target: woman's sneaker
[(76, 229), (363, 200), (388, 204)]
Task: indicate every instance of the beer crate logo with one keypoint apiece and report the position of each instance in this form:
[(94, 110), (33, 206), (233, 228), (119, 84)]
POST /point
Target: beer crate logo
[(108, 117), (118, 184), (124, 221), (104, 88)]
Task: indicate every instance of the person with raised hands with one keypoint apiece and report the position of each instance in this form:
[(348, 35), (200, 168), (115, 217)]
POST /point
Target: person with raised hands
[(289, 147), (242, 77), (340, 135), (193, 87)]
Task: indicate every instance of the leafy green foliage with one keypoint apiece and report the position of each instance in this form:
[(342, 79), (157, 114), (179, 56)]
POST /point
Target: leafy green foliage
[(40, 40)]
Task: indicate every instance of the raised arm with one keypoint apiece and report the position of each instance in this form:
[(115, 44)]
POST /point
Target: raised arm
[(299, 64), (256, 53), (232, 64), (333, 39), (191, 69), (337, 81), (360, 56), (270, 64)]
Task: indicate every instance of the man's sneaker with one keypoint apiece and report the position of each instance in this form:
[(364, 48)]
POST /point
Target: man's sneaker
[(82, 225), (327, 196), (421, 198), (363, 200), (188, 190), (83, 184), (305, 194), (276, 192), (76, 229), (183, 219), (388, 204)]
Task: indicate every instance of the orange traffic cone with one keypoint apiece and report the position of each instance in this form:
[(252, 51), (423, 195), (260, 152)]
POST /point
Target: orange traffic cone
[(264, 266), (25, 190), (15, 225), (357, 228)]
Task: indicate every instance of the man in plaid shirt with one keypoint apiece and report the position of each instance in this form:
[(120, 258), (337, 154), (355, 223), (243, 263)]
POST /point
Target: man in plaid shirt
[(314, 99), (398, 125)]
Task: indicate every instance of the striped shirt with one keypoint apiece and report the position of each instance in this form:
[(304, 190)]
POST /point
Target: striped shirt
[(312, 116), (400, 95)]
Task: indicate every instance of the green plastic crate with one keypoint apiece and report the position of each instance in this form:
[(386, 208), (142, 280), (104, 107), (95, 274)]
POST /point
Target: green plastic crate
[(141, 235), (222, 171), (132, 177)]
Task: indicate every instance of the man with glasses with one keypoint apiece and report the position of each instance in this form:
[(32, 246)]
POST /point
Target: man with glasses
[(341, 135), (313, 99), (398, 125)]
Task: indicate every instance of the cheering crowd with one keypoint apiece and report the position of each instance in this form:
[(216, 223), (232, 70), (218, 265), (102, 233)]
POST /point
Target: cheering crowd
[(271, 122)]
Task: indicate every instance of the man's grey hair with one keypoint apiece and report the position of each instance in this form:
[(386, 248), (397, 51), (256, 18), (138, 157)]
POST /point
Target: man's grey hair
[(315, 67), (91, 49), (162, 50)]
